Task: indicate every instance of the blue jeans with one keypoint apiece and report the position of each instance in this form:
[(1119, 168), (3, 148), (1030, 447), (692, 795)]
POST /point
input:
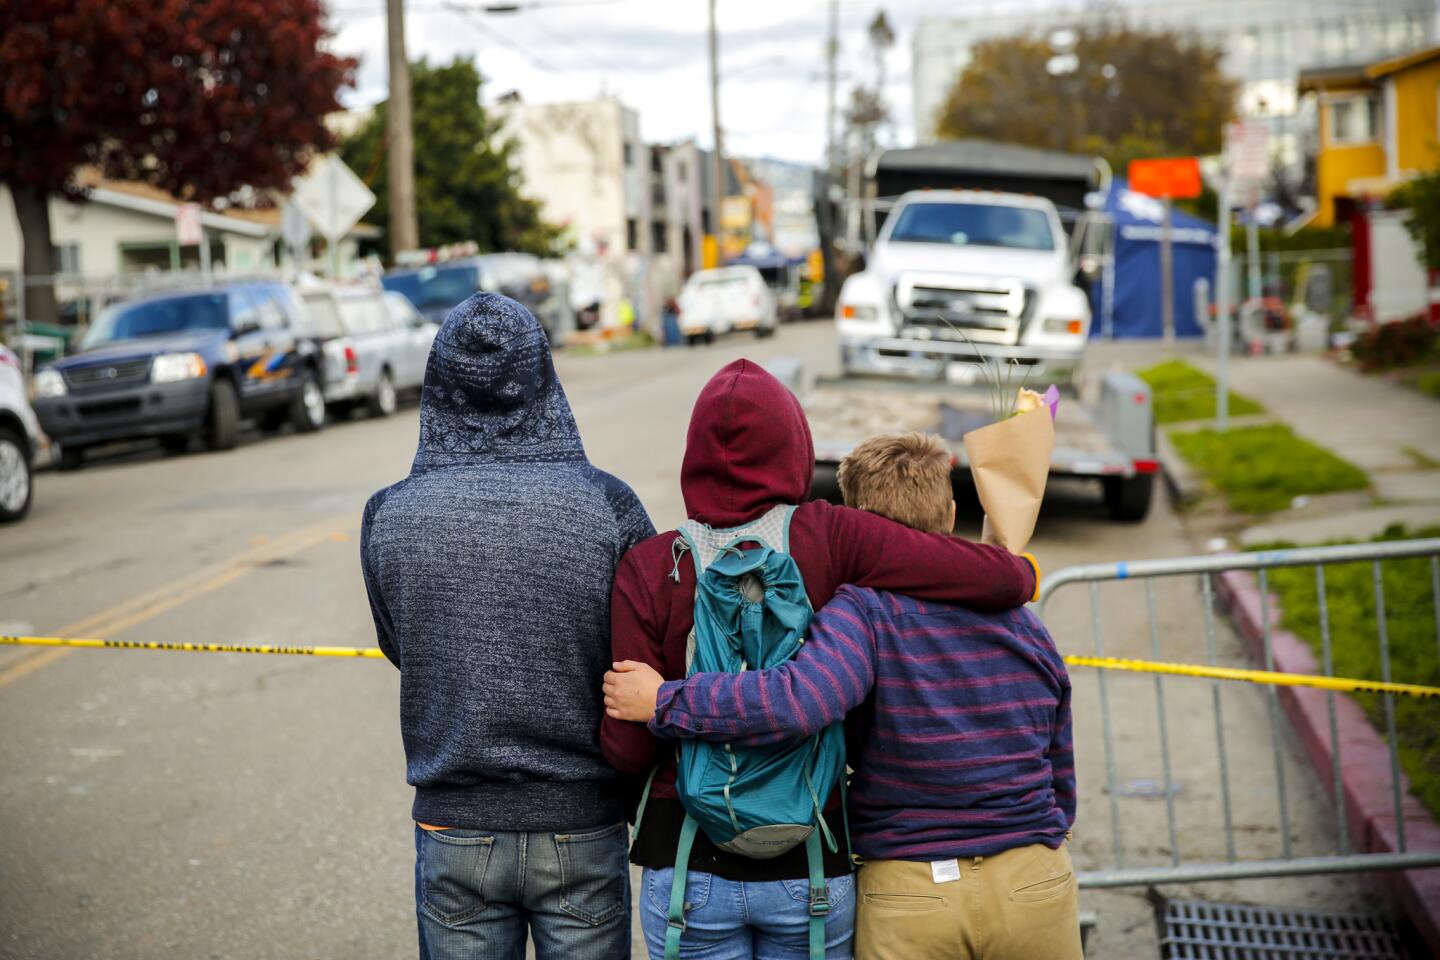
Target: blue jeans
[(730, 920), (478, 893)]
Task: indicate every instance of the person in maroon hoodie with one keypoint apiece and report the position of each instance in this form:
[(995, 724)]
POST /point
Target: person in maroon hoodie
[(748, 451)]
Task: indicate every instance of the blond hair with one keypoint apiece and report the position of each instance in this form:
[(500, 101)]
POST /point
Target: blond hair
[(904, 476)]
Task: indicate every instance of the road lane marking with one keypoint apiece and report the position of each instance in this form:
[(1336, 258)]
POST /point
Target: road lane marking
[(146, 606)]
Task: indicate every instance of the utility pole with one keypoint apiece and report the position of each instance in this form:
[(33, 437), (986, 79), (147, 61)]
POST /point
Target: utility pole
[(717, 156), (404, 227), (832, 51), (825, 205)]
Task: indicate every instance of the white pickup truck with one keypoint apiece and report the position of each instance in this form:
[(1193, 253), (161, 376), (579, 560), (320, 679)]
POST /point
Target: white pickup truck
[(958, 273), (959, 283)]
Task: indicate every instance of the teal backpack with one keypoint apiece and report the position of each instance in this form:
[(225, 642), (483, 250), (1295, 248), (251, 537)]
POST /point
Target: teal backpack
[(751, 612)]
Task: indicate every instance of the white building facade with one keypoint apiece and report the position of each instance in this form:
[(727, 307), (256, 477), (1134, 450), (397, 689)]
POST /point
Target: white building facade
[(117, 230), (587, 166)]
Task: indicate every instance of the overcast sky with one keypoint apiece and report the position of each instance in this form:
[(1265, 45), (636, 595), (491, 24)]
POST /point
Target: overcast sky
[(652, 55)]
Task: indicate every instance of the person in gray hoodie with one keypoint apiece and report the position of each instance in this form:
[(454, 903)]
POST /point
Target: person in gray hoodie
[(489, 571)]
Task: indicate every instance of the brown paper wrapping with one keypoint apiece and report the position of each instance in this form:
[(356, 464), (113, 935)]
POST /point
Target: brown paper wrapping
[(1010, 461)]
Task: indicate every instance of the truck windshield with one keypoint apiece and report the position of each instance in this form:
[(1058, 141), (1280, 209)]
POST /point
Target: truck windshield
[(974, 225), (443, 286), (152, 318)]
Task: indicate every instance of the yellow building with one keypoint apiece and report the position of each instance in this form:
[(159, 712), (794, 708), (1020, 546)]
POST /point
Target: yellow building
[(1379, 126)]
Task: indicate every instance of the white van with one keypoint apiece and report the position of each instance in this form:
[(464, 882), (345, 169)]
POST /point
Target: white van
[(715, 302)]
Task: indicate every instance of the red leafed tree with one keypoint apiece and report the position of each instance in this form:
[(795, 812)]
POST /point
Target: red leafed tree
[(197, 97)]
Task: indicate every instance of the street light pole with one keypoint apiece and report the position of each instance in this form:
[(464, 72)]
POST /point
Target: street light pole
[(1222, 310), (717, 157), (825, 211), (404, 226)]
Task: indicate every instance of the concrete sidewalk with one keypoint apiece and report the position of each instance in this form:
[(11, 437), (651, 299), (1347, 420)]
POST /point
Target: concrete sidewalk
[(1367, 420), (1390, 432)]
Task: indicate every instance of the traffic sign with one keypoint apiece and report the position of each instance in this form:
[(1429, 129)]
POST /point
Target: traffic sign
[(1173, 178), (1247, 150), (332, 196), (189, 231)]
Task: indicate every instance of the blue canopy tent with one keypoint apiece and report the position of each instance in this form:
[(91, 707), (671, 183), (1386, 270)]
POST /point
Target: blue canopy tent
[(1126, 300)]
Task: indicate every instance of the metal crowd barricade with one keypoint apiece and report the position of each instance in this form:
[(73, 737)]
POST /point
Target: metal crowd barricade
[(1344, 859)]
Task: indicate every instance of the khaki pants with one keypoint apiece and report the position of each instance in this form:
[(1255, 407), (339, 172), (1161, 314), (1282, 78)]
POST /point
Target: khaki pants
[(1022, 904)]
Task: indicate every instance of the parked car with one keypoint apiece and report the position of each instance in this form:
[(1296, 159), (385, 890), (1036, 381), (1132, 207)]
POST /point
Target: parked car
[(375, 344), (185, 364), (715, 302), (19, 440), (436, 289)]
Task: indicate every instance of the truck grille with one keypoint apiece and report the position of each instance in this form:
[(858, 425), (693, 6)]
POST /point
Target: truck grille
[(108, 374), (993, 311)]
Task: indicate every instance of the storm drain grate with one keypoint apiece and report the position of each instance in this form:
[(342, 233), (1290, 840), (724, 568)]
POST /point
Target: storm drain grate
[(1234, 931)]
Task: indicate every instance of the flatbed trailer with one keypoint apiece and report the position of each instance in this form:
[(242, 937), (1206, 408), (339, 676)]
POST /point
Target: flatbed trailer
[(1111, 439)]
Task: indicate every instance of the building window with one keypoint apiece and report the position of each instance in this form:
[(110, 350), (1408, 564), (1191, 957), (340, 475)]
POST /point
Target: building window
[(66, 257), (680, 171), (658, 240), (632, 235), (629, 155), (1353, 120)]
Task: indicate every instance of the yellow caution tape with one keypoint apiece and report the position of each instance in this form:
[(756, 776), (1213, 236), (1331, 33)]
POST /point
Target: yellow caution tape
[(192, 647), (1342, 684)]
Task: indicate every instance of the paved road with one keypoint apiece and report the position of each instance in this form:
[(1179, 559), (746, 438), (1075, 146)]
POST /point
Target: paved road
[(156, 805)]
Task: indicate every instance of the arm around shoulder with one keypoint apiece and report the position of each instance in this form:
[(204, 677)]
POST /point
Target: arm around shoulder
[(872, 551)]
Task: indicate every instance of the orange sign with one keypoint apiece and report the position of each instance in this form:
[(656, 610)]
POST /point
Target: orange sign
[(1175, 177)]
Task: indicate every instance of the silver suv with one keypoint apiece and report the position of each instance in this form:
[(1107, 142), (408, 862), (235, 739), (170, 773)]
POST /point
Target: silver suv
[(376, 345)]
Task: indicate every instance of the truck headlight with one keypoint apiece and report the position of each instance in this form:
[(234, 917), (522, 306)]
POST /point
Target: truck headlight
[(858, 311), (169, 367), (1064, 325), (48, 383)]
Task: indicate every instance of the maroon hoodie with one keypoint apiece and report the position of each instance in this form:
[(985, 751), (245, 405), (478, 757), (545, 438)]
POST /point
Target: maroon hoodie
[(749, 449)]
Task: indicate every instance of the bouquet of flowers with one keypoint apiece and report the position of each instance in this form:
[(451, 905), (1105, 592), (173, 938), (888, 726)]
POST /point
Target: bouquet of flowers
[(1010, 460)]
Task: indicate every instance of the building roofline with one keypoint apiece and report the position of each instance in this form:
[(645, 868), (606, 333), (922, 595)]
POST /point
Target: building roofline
[(1403, 62), (1338, 76), (164, 208)]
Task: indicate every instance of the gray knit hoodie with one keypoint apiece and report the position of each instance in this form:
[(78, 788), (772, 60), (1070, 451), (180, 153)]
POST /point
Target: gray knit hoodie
[(489, 571)]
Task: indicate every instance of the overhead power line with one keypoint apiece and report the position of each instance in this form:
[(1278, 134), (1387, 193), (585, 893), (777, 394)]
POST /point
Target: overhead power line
[(478, 21)]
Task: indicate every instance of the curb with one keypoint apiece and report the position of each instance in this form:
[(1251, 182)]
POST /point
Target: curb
[(1365, 759), (1185, 485)]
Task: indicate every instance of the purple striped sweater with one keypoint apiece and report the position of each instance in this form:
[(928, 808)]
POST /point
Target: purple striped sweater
[(959, 722)]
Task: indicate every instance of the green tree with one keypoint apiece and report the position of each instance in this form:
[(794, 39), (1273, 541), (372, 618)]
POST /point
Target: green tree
[(1421, 197), (1124, 94), (465, 185)]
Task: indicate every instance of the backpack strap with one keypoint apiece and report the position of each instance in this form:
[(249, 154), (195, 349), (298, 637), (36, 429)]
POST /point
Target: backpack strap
[(785, 528), (644, 799), (819, 896), (675, 919)]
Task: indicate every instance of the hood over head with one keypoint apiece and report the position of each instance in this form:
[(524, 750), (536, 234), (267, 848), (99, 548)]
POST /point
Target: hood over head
[(748, 448), (491, 393)]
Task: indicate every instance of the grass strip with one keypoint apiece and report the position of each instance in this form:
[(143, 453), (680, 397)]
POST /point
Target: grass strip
[(1355, 644), (1181, 392), (1262, 469), (1427, 383)]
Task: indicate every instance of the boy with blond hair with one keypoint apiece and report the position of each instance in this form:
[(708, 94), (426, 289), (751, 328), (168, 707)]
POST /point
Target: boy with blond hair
[(964, 787)]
